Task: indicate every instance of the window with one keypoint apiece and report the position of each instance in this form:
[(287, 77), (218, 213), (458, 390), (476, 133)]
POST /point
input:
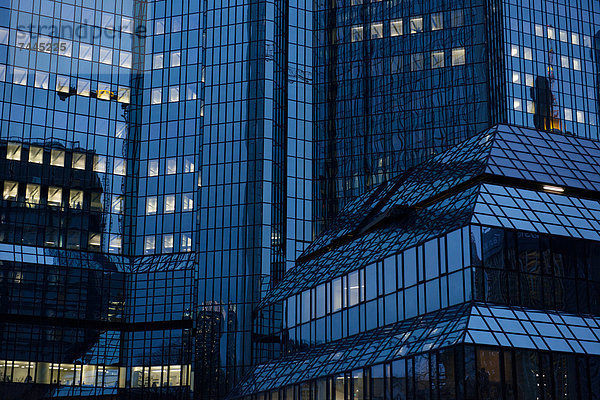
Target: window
[(564, 61), (32, 194), (171, 166), (119, 166), (551, 33), (125, 59), (376, 31), (458, 57), (514, 51), (54, 196), (416, 25), (530, 107), (159, 26), (458, 18), (517, 105), (85, 51), (529, 80), (78, 161), (188, 165), (170, 203), (516, 77), (336, 288), (175, 58), (95, 241), (57, 158), (20, 76), (357, 33), (153, 168), (539, 30), (156, 96), (568, 114), (576, 64), (126, 25), (124, 95), (99, 164), (437, 22), (36, 154), (353, 289), (105, 55), (114, 244), (416, 62), (3, 36), (186, 242), (65, 48), (11, 190), (188, 202), (575, 39), (580, 117), (168, 242), (174, 93), (396, 28), (191, 92), (117, 204), (13, 151), (76, 199), (62, 84), (563, 36), (528, 54), (83, 87), (151, 205), (41, 80), (96, 201), (157, 61), (437, 59), (103, 92), (149, 244)]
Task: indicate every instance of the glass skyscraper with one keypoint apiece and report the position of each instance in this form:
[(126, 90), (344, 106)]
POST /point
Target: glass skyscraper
[(300, 199)]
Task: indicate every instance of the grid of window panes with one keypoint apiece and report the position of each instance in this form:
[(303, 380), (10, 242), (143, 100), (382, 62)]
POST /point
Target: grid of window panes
[(549, 46), (396, 82), (466, 371)]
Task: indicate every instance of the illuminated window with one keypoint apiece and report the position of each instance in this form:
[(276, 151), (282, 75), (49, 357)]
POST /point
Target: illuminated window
[(103, 91), (76, 199), (168, 242), (568, 114), (114, 246), (191, 92), (78, 160), (117, 204), (186, 242), (564, 61), (357, 33), (57, 158), (517, 105), (41, 80), (514, 51), (119, 166), (54, 196), (587, 41), (551, 33), (458, 56), (20, 76), (99, 164), (149, 244), (188, 202), (159, 26), (151, 205), (105, 55), (539, 30), (85, 51), (353, 289), (575, 39), (125, 59), (516, 77), (126, 25), (376, 31), (171, 166), (94, 242), (169, 203), (563, 36), (336, 288), (528, 54), (32, 194), (83, 87), (175, 58), (458, 18), (188, 165), (416, 25), (581, 117), (174, 93), (157, 61), (36, 154), (62, 84), (396, 28), (437, 59), (437, 21), (530, 107), (13, 151), (156, 96), (124, 95), (11, 190), (576, 64), (153, 168), (96, 201), (416, 62)]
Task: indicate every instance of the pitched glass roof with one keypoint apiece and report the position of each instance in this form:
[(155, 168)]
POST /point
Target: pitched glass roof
[(435, 198), (478, 324)]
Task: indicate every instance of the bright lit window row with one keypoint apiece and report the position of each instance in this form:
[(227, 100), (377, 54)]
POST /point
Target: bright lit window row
[(568, 114), (171, 166), (168, 243), (438, 59), (94, 375), (54, 197), (399, 28), (563, 35), (563, 61), (14, 151), (82, 87), (187, 203), (158, 60), (174, 94)]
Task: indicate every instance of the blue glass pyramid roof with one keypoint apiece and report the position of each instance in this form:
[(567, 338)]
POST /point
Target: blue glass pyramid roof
[(507, 176)]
